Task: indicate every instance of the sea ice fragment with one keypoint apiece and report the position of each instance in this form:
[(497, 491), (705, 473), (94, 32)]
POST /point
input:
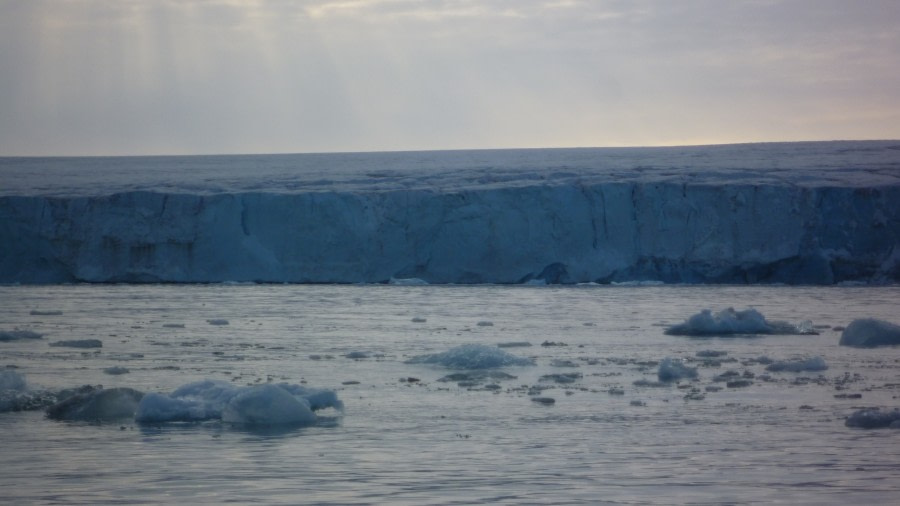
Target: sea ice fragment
[(471, 356), (673, 369), (869, 333)]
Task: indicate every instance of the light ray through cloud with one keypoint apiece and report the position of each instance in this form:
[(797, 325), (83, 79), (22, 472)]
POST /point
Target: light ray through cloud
[(226, 76)]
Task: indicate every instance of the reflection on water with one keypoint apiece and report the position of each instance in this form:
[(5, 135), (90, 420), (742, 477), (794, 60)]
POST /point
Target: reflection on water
[(405, 437)]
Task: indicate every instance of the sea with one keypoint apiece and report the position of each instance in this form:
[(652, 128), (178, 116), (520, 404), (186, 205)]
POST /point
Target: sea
[(587, 421)]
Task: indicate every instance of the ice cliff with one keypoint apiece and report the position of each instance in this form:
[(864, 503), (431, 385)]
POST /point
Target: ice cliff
[(761, 213)]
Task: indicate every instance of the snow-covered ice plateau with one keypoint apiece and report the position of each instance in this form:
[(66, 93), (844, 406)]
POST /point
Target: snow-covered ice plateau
[(795, 213)]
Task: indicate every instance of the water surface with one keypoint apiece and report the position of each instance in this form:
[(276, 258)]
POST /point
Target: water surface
[(782, 438)]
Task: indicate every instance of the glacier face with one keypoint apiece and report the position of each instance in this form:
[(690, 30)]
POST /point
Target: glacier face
[(815, 213)]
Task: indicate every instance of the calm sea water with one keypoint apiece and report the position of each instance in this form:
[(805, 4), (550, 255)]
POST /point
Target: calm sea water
[(780, 439)]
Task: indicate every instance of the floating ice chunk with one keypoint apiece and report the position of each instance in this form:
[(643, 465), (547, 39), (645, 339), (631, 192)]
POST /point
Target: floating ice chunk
[(561, 378), (471, 356), (408, 281), (39, 312), (731, 322), (874, 418), (514, 344), (11, 380), (217, 321), (97, 405), (477, 377), (267, 405), (673, 369), (16, 335), (173, 325), (869, 333), (485, 323), (212, 399), (801, 365), (647, 383), (79, 343), (356, 355), (116, 370), (419, 319)]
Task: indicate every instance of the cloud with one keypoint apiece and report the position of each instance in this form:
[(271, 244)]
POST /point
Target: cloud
[(191, 76)]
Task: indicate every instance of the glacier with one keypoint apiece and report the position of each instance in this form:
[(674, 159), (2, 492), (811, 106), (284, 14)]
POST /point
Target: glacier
[(795, 213)]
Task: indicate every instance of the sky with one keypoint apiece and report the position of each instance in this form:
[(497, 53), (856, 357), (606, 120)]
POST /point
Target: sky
[(143, 77)]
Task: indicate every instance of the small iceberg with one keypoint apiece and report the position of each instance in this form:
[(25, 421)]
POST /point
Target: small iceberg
[(869, 333), (802, 365), (673, 369), (472, 356), (730, 322), (217, 321)]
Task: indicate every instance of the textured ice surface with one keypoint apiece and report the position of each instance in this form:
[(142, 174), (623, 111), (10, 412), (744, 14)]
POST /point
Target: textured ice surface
[(281, 404), (800, 365), (471, 356), (731, 322), (673, 369), (869, 332), (818, 213)]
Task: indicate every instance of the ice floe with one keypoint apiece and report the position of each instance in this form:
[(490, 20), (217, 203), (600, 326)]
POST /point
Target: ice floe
[(730, 322), (869, 333), (269, 404), (874, 418), (471, 356), (800, 365), (18, 335), (79, 343)]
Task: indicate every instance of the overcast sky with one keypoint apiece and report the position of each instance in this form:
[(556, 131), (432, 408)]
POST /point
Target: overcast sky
[(85, 77)]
